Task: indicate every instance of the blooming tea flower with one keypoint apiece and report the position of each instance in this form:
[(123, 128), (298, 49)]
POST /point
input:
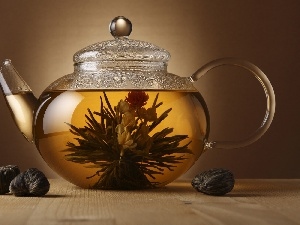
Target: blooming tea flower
[(120, 128), (132, 146), (137, 99), (125, 139), (123, 106), (147, 114), (128, 119)]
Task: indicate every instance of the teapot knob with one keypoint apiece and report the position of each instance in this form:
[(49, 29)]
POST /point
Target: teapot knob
[(120, 27)]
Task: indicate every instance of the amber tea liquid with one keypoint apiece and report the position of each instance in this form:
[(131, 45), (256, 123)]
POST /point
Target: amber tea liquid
[(22, 106), (59, 108)]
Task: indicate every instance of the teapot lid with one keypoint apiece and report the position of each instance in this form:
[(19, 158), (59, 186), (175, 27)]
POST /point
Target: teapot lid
[(121, 63), (121, 48)]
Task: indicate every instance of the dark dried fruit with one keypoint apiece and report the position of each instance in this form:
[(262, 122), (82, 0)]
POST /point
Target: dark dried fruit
[(30, 183), (7, 174), (214, 182)]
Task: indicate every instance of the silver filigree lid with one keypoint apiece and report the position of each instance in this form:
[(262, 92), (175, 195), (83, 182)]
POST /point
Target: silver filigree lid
[(121, 48)]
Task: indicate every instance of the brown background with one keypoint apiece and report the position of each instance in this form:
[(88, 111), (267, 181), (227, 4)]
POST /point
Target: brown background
[(42, 36)]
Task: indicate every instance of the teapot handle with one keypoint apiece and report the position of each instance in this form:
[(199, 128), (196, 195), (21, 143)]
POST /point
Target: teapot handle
[(269, 92)]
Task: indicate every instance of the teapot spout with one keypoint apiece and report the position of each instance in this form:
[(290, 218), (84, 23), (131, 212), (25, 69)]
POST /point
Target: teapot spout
[(19, 98)]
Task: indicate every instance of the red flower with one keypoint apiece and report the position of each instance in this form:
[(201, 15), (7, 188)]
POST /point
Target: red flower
[(137, 98)]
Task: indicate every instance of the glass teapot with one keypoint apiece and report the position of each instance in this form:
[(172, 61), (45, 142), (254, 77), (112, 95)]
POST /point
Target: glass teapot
[(120, 120)]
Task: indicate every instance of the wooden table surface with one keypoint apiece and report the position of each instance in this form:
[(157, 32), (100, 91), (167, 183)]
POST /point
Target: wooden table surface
[(252, 202)]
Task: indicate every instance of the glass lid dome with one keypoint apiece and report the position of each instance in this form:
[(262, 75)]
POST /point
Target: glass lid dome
[(121, 63)]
